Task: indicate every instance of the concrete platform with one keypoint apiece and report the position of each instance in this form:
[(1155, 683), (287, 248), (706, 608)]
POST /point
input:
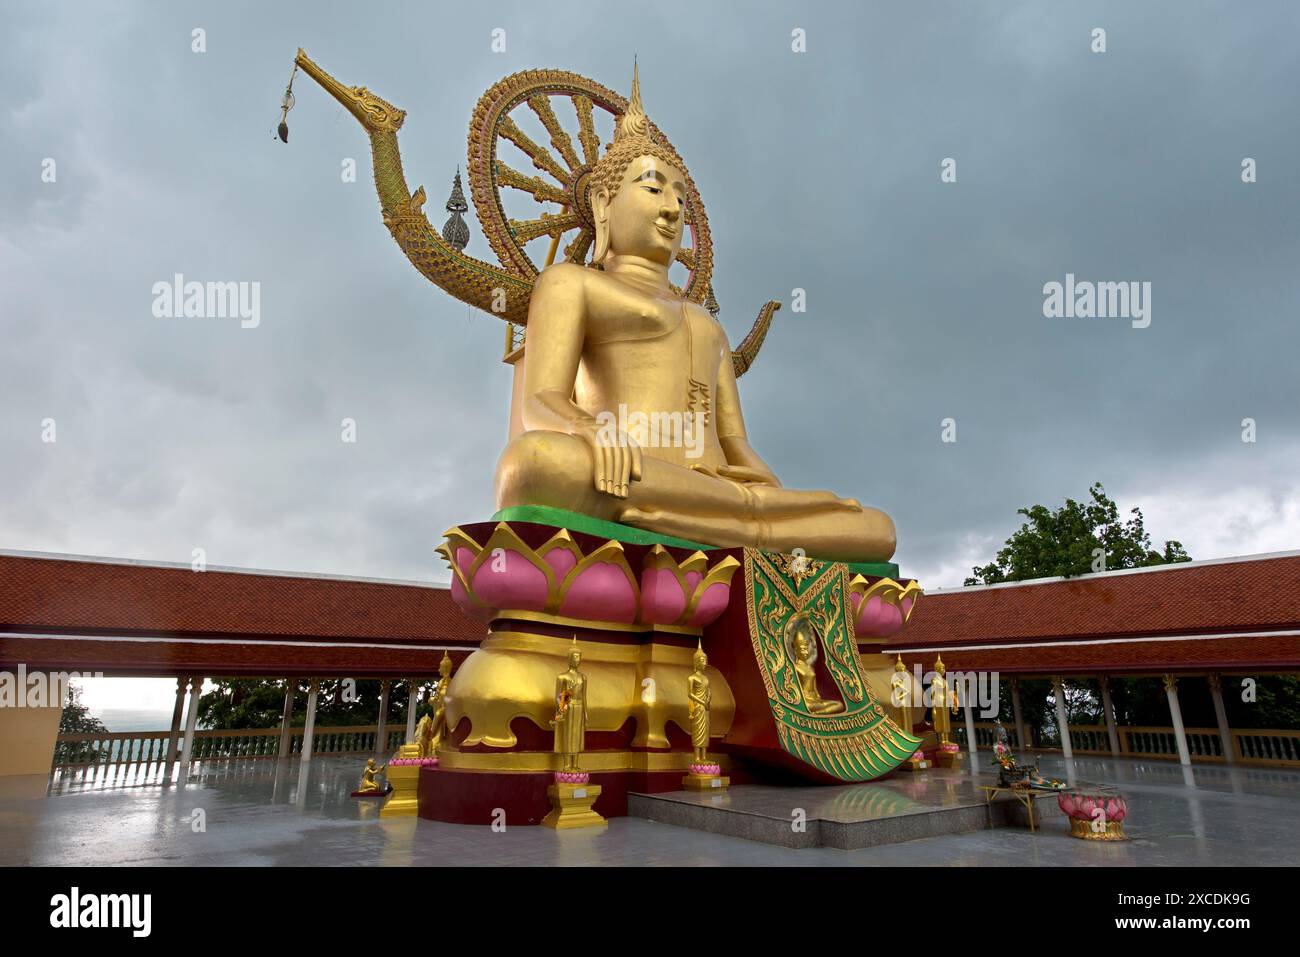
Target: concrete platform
[(854, 816), (269, 813)]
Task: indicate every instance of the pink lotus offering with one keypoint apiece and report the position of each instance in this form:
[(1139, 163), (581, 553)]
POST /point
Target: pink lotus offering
[(918, 755), (572, 777), (709, 770), (1084, 807), (409, 762), (950, 747)]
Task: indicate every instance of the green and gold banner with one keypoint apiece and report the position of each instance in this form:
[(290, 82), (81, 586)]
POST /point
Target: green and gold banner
[(802, 635)]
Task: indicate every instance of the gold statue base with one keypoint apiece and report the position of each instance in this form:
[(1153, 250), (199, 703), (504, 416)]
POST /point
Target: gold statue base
[(915, 764), (571, 806), (1114, 831), (948, 759), (404, 779), (705, 782)]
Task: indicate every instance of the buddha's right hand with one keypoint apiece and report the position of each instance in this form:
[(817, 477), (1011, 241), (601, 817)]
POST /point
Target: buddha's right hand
[(616, 458)]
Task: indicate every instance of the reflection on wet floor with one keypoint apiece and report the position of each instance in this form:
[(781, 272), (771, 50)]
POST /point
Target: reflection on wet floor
[(268, 812)]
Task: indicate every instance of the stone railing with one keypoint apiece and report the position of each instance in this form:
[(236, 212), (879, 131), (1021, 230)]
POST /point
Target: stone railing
[(1268, 746), (150, 747)]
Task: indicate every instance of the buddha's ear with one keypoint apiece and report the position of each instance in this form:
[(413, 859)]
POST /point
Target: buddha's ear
[(600, 217)]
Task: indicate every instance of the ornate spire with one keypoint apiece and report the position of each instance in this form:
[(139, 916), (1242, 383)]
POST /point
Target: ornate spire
[(634, 121), (455, 230)]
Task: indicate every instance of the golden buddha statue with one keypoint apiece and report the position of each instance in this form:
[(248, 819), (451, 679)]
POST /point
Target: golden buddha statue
[(618, 343), (900, 694), (438, 731), (369, 782), (570, 721), (700, 697), (942, 701), (424, 736), (801, 641)]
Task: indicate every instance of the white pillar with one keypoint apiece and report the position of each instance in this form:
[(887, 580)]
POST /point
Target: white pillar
[(309, 727), (1109, 709), (1225, 733), (1176, 713), (177, 713), (1062, 725), (970, 716), (1022, 735), (191, 720), (411, 701), (381, 732), (286, 719)]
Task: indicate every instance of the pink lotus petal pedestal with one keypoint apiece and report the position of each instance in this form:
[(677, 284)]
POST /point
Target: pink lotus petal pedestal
[(705, 777), (1094, 817)]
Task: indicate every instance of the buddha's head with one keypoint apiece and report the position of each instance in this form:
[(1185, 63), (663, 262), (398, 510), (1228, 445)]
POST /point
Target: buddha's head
[(799, 637), (444, 667), (575, 659), (898, 665), (701, 660), (938, 665), (638, 192)]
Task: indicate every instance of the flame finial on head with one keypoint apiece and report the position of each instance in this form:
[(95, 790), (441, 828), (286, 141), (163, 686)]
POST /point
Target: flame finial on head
[(634, 122)]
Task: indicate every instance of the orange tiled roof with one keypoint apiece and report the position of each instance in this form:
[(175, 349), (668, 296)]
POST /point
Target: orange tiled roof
[(1228, 599), (78, 597)]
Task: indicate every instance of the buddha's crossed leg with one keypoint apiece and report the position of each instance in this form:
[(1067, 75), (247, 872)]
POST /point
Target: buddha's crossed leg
[(555, 469)]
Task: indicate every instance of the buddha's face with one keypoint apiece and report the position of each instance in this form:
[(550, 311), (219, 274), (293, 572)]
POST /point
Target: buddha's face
[(647, 215), (575, 659), (701, 662), (801, 647)]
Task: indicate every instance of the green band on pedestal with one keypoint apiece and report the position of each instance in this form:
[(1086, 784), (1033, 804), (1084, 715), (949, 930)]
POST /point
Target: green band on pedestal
[(576, 522)]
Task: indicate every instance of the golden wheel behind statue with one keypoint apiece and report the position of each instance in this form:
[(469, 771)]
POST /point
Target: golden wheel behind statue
[(558, 208)]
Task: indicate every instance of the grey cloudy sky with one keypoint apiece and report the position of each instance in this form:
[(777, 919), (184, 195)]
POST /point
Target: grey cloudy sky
[(819, 171)]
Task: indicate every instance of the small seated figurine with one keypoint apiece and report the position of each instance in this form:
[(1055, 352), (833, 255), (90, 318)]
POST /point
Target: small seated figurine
[(424, 736), (801, 638), (369, 782)]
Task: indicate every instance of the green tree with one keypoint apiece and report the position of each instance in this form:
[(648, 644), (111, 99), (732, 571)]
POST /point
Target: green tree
[(76, 718), (1065, 541), (259, 703)]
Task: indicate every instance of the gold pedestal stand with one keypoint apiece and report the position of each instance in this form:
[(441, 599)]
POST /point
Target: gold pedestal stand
[(704, 782), (947, 759), (571, 806), (914, 764), (405, 779)]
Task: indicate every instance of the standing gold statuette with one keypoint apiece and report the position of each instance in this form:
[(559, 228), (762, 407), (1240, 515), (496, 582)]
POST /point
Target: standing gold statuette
[(572, 795), (944, 702), (705, 773)]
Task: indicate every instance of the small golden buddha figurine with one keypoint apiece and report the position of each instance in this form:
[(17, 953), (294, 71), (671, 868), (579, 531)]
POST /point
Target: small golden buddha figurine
[(900, 694), (437, 731), (369, 784), (570, 721), (697, 709), (801, 640), (424, 736), (942, 701), (619, 339)]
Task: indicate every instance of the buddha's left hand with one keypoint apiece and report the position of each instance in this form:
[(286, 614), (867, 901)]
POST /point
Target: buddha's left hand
[(747, 474)]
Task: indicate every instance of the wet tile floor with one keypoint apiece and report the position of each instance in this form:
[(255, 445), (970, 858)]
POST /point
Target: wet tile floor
[(268, 813)]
